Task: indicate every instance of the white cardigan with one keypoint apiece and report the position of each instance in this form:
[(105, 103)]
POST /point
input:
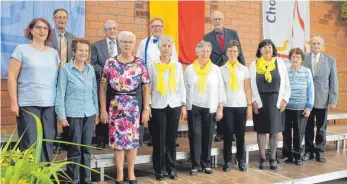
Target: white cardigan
[(216, 90), (284, 92)]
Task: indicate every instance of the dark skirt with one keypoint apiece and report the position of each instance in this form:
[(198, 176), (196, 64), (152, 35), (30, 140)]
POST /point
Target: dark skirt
[(269, 119)]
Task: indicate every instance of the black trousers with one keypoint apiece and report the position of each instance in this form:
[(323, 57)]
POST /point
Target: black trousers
[(27, 128), (101, 129), (81, 132), (297, 121), (321, 123), (164, 132), (220, 128), (234, 122), (201, 124)]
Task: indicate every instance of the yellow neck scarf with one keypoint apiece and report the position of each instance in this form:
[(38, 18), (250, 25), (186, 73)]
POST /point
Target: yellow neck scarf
[(161, 68), (265, 67), (234, 82), (202, 74)]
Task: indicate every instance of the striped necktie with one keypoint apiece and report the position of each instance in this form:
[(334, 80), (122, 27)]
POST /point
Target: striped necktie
[(111, 48), (63, 49), (316, 62)]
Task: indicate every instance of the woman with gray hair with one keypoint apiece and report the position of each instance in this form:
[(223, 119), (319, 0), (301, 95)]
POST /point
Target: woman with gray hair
[(168, 100), (205, 98), (126, 74)]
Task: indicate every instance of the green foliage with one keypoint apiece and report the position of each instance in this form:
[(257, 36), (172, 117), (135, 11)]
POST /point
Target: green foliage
[(24, 167), (342, 8)]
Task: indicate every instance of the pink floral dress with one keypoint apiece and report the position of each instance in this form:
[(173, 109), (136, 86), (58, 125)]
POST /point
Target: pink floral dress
[(124, 109)]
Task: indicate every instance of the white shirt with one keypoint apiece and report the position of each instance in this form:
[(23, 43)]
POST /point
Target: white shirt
[(312, 61), (115, 50), (153, 52), (284, 92), (235, 98), (173, 100), (215, 91)]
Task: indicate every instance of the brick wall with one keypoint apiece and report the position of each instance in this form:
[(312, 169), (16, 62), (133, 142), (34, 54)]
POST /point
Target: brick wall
[(244, 17)]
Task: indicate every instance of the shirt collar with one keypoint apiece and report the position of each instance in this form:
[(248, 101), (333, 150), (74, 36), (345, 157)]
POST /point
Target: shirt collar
[(108, 40), (72, 65), (318, 55), (57, 32), (220, 31), (301, 69)]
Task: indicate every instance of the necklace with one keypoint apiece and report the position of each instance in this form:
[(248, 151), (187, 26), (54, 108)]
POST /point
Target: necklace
[(124, 61)]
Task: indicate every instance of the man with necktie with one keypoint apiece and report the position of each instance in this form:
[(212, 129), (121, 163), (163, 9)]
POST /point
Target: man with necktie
[(61, 38), (325, 81), (219, 37), (149, 51), (62, 43), (100, 52)]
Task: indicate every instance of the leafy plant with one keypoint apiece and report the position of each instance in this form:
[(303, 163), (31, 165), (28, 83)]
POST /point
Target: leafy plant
[(24, 167), (342, 10)]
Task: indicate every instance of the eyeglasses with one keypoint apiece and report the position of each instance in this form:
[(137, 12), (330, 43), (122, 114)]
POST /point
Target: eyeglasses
[(217, 19), (125, 42), (61, 18), (157, 26), (41, 27), (111, 29)]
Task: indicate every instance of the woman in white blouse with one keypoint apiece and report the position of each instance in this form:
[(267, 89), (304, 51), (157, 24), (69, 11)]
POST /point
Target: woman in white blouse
[(238, 105), (205, 97), (168, 100)]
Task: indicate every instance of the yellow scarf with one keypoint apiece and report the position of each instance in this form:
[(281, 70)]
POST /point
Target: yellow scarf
[(161, 68), (265, 67), (202, 74), (234, 81)]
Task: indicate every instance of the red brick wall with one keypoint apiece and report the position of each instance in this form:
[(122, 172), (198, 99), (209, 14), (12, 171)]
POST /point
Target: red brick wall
[(245, 17)]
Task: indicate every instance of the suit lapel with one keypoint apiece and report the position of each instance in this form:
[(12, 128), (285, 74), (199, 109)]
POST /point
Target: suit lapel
[(118, 49), (215, 41), (308, 62), (55, 41), (321, 62), (226, 38), (104, 49)]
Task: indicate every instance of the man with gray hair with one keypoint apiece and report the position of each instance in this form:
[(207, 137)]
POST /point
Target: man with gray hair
[(100, 52), (219, 37), (149, 52), (325, 81)]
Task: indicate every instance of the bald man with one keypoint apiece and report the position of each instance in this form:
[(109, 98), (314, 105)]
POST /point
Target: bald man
[(219, 38)]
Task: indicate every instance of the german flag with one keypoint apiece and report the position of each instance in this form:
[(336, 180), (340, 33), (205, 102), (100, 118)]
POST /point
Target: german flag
[(184, 21)]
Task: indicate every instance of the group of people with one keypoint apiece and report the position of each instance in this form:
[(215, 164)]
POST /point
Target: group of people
[(52, 78)]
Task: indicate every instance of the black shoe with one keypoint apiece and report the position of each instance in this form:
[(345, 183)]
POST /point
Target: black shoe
[(150, 142), (321, 159), (286, 160), (299, 162), (273, 164), (262, 164), (119, 182), (218, 138), (193, 172), (132, 181), (308, 156), (159, 177), (101, 145), (227, 167), (208, 171), (242, 165), (234, 138), (173, 175)]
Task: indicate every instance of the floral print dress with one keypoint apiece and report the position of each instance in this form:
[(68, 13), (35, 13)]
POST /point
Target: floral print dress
[(124, 110)]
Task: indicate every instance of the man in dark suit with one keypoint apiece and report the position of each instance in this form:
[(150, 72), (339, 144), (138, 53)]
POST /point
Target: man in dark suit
[(219, 38), (325, 81), (100, 52), (62, 43), (61, 38)]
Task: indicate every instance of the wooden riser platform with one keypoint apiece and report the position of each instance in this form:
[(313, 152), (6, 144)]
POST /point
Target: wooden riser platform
[(311, 172)]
